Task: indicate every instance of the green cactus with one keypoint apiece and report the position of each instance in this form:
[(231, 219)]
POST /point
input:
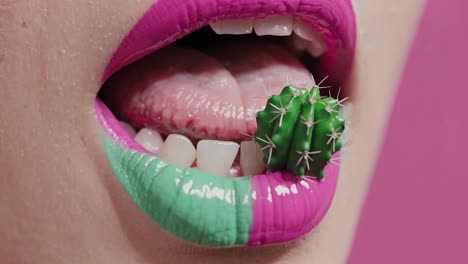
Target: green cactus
[(299, 131)]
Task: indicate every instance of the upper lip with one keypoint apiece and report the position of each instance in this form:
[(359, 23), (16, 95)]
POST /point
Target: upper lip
[(169, 20)]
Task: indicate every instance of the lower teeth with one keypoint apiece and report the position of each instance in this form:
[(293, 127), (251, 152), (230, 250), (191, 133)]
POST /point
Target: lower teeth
[(222, 158), (214, 156)]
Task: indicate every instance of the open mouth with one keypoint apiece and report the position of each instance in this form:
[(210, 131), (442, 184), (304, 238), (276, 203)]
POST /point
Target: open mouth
[(180, 99)]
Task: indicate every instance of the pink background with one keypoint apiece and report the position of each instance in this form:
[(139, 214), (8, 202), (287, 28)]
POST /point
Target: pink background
[(417, 207)]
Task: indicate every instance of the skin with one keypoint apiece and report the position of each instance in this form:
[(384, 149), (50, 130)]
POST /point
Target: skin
[(60, 203)]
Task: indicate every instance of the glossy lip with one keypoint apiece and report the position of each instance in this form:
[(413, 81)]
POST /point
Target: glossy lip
[(204, 208), (169, 20), (254, 211)]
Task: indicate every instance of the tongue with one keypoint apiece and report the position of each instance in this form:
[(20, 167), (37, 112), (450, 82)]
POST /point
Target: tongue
[(212, 94)]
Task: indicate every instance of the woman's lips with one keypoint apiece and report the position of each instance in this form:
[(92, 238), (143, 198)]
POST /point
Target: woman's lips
[(205, 208)]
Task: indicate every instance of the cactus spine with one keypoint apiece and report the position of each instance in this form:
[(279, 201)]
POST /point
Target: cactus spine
[(299, 131)]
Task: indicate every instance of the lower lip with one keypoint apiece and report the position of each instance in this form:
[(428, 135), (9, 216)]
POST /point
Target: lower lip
[(211, 210)]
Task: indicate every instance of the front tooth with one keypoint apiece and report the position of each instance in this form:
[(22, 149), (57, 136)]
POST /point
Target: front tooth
[(215, 156), (233, 27), (178, 150), (130, 130), (251, 158), (274, 26), (317, 46), (149, 139)]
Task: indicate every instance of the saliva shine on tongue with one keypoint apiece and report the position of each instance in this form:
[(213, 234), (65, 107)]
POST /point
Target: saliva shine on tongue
[(298, 131)]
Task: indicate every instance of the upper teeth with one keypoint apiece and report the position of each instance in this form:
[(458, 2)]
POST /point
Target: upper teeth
[(233, 27), (305, 38), (274, 26)]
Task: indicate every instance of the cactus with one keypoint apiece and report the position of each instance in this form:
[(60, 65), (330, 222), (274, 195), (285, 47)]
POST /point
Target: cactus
[(299, 131)]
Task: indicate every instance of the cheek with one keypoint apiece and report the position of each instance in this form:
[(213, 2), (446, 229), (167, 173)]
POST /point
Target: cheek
[(384, 37), (382, 46)]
